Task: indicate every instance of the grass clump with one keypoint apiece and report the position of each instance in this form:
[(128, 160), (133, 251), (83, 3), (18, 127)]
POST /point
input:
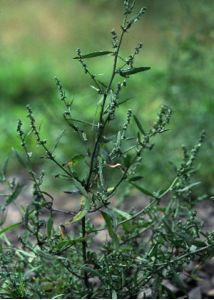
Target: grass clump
[(143, 248)]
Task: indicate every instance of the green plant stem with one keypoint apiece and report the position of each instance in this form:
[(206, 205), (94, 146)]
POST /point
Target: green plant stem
[(102, 125), (94, 154), (84, 253)]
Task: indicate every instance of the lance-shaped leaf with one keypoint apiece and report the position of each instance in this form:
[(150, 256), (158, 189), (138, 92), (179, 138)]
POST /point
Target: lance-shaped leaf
[(80, 187), (140, 127), (19, 158), (85, 206), (135, 178), (110, 228), (132, 71), (93, 54), (187, 188), (9, 228), (143, 190), (12, 197), (122, 213)]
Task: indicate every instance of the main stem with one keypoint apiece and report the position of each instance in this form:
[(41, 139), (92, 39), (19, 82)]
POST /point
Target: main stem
[(103, 124), (84, 252), (94, 155)]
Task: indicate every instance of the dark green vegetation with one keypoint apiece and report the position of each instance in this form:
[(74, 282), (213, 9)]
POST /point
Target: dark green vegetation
[(102, 145)]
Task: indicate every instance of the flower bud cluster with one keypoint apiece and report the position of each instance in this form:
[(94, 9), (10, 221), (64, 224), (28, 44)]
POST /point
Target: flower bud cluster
[(60, 89), (114, 39), (85, 67), (21, 133), (112, 106), (162, 121), (128, 6), (130, 59), (36, 132), (114, 96), (134, 19), (33, 125), (126, 124), (116, 151), (189, 159)]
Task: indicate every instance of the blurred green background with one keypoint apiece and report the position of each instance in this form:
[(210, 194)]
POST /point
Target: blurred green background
[(38, 40)]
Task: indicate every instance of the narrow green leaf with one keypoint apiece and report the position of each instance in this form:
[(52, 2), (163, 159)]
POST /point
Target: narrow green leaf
[(9, 228), (80, 187), (49, 226), (19, 158), (126, 73), (58, 139), (85, 206), (28, 254), (13, 196), (143, 190), (139, 125), (94, 54), (187, 188), (122, 213), (112, 233), (135, 178)]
